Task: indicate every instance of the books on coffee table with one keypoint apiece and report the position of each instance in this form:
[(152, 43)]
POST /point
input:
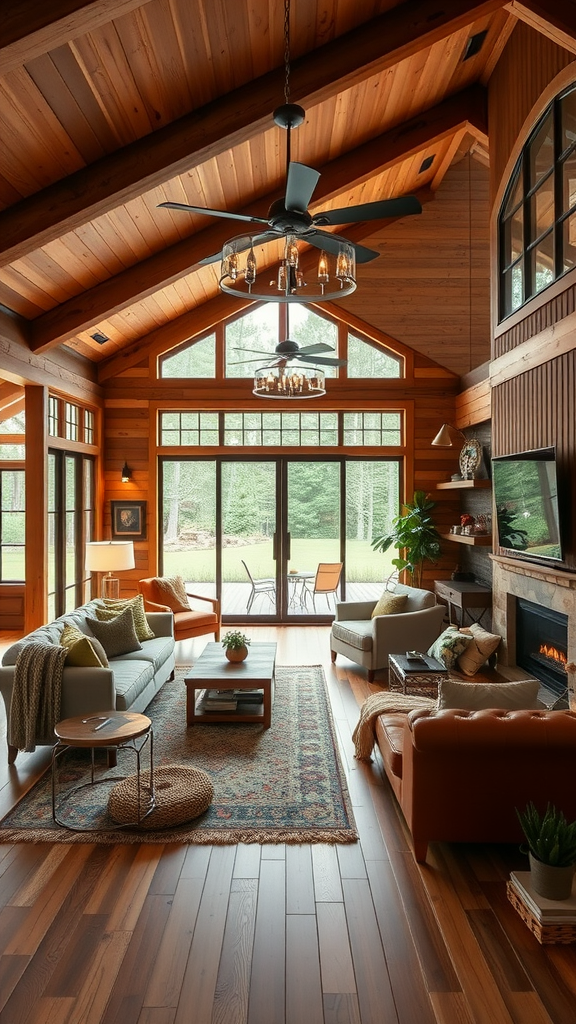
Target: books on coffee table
[(228, 700)]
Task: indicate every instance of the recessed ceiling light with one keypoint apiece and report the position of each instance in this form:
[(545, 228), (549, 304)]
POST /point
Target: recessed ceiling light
[(474, 44), (426, 163), (99, 337)]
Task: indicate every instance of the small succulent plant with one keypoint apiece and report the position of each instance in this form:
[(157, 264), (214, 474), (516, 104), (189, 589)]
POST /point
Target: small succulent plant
[(234, 639), (551, 839)]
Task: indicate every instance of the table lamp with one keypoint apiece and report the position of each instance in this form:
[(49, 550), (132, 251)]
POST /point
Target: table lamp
[(107, 556)]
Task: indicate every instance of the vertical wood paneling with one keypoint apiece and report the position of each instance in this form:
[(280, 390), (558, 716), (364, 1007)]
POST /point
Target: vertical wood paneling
[(529, 62), (537, 409)]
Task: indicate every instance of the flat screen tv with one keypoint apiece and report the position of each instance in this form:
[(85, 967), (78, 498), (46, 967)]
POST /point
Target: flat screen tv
[(526, 499)]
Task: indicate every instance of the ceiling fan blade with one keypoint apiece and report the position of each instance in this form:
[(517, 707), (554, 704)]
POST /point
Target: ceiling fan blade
[(329, 242), (258, 351), (321, 346), (400, 207), (213, 213), (300, 184), (319, 360)]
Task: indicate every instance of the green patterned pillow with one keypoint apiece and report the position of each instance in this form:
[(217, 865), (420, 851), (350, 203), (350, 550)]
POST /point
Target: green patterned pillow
[(118, 636), (113, 607), (449, 646), (83, 651)]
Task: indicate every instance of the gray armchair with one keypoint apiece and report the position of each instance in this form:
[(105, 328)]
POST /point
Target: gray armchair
[(368, 641)]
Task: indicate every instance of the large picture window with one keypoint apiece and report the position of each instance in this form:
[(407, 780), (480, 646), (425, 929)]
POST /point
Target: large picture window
[(537, 223)]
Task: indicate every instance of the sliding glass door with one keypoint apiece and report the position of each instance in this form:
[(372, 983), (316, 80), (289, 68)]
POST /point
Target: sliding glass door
[(254, 532)]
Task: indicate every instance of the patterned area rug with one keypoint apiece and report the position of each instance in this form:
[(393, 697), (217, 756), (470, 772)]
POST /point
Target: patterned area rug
[(280, 785)]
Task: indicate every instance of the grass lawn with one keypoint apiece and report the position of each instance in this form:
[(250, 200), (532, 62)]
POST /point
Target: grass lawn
[(363, 565)]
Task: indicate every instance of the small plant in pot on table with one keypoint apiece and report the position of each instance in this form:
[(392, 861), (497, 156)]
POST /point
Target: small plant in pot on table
[(551, 850), (235, 645)]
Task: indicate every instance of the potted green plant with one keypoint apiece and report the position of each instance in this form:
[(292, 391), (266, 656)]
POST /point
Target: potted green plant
[(551, 848), (235, 645), (413, 533)]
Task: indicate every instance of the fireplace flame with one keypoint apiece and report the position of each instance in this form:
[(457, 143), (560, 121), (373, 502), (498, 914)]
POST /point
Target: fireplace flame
[(553, 654)]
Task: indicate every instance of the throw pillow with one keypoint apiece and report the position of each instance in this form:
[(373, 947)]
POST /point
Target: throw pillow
[(482, 645), (83, 651), (143, 631), (390, 604), (118, 636), (513, 696), (173, 592), (449, 646)]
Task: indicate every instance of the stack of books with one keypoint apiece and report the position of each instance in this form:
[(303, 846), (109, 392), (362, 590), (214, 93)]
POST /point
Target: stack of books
[(219, 700), (228, 700), (551, 921)]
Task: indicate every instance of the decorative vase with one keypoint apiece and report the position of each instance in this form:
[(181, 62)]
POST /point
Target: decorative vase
[(554, 883), (236, 653)]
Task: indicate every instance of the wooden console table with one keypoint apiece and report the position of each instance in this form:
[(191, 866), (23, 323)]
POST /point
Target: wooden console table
[(464, 597)]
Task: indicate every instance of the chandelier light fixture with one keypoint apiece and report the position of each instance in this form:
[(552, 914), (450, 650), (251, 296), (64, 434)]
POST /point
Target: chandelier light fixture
[(312, 264), (289, 382)]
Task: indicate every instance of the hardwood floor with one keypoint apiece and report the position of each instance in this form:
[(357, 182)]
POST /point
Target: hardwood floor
[(357, 934)]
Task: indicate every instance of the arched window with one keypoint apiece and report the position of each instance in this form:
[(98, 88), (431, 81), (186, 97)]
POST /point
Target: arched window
[(537, 221)]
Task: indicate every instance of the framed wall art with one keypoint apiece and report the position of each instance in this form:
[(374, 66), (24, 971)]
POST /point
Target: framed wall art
[(128, 520)]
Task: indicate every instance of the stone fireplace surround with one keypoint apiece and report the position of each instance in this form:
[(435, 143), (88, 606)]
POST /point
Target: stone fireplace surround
[(542, 585)]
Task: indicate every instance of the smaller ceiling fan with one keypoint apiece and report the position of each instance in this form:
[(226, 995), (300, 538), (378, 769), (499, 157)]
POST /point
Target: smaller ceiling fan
[(289, 350)]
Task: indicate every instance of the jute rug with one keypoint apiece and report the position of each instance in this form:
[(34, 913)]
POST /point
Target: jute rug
[(279, 785)]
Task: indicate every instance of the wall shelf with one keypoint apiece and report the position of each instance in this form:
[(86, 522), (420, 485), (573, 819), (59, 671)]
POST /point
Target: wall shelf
[(463, 485), (475, 540)]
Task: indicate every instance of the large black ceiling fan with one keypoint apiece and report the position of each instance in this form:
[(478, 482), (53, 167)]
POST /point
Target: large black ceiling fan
[(289, 216)]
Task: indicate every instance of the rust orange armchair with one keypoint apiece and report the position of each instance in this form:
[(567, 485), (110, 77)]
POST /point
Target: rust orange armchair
[(188, 622)]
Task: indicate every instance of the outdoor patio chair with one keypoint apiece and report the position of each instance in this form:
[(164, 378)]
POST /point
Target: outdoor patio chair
[(263, 586), (326, 582)]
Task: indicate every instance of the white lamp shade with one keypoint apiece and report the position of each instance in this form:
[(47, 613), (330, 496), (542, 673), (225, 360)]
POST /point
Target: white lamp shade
[(445, 436), (109, 555)]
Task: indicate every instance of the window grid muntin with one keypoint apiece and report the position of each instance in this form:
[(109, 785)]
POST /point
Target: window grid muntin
[(192, 429), (521, 172), (53, 415), (12, 519), (71, 421)]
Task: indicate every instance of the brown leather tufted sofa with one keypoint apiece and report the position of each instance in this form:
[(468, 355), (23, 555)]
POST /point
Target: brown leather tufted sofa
[(458, 775)]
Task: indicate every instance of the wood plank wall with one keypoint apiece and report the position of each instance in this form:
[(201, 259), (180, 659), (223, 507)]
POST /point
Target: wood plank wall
[(430, 288), (528, 64), (536, 407)]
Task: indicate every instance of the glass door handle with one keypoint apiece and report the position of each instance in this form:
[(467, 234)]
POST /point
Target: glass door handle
[(288, 547)]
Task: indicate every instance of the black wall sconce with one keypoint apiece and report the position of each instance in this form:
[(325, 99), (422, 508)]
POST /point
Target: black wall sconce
[(126, 473)]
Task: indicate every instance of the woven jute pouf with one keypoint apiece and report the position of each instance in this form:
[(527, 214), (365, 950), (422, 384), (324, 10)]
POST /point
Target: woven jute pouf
[(181, 794)]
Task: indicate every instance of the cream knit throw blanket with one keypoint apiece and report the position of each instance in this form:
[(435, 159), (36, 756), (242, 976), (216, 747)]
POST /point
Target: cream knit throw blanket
[(379, 704), (36, 695)]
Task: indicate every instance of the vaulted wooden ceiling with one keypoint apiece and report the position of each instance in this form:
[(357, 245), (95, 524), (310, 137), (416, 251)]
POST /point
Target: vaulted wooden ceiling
[(110, 107)]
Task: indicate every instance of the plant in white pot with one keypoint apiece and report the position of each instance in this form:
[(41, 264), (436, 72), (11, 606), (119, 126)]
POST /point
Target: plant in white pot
[(551, 850), (235, 645)]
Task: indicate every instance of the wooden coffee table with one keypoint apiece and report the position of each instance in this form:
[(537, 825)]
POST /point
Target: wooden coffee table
[(214, 672)]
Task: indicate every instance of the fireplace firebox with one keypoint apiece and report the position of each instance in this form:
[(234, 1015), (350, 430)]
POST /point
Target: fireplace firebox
[(542, 644)]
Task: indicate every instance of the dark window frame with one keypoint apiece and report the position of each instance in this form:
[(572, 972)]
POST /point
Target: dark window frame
[(529, 245)]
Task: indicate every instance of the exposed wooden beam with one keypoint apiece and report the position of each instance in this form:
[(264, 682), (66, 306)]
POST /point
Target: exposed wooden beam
[(30, 28), (231, 120), (466, 110), (172, 334), (555, 19), (11, 396), (63, 370)]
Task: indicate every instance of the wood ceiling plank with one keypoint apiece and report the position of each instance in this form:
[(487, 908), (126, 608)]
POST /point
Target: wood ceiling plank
[(161, 269), (66, 106), (33, 27), (228, 121)]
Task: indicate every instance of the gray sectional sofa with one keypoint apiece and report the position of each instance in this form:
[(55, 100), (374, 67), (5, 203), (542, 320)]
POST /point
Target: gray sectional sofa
[(128, 684)]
